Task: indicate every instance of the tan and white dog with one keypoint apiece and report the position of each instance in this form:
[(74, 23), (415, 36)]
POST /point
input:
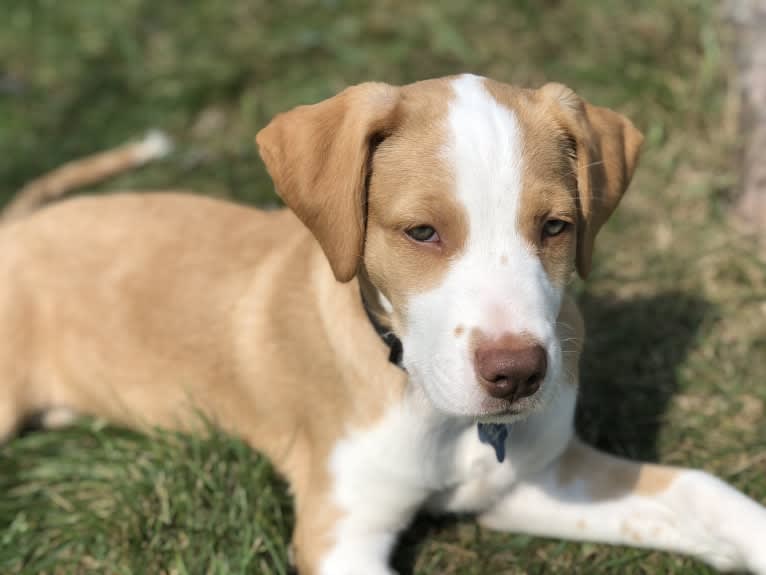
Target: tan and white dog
[(460, 208)]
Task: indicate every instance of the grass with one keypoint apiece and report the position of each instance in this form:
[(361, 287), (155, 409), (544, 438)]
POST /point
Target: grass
[(89, 500), (676, 356)]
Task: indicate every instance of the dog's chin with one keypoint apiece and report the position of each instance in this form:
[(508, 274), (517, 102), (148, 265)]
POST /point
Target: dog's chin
[(504, 412), (505, 418), (492, 410)]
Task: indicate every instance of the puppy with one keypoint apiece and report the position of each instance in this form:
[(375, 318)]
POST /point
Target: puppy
[(400, 338)]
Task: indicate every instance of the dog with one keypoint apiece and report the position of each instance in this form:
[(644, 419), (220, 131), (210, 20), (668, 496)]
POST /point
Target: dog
[(400, 338)]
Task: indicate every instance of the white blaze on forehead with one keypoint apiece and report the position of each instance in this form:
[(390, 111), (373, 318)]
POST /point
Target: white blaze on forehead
[(485, 149), (497, 283)]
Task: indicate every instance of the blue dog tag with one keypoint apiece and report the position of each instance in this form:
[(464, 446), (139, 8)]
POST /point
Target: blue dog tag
[(495, 435)]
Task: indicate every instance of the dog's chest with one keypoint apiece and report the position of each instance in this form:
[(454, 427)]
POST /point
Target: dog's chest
[(415, 455)]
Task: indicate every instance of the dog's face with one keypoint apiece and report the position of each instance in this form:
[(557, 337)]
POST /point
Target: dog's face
[(468, 204)]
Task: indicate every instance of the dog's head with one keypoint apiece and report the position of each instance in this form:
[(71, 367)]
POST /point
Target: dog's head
[(467, 204)]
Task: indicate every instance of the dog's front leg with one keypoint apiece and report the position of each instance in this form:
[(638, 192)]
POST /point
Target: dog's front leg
[(356, 543), (591, 496), (332, 539)]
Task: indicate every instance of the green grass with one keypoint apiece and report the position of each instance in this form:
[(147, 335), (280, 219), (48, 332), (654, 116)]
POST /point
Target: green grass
[(676, 359), (88, 500)]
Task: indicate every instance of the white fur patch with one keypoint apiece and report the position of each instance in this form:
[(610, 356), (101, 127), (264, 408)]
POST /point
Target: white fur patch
[(498, 284), (418, 455), (383, 475), (156, 144), (697, 515)]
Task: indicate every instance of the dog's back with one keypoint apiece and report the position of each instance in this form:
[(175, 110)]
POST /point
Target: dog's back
[(109, 299), (83, 318)]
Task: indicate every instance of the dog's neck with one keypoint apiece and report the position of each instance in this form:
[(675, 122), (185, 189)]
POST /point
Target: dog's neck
[(381, 322)]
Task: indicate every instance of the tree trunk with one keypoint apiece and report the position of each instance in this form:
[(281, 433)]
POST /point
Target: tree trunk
[(749, 17)]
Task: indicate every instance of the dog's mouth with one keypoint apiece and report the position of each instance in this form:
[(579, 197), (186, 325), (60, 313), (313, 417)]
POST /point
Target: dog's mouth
[(470, 400), (503, 411)]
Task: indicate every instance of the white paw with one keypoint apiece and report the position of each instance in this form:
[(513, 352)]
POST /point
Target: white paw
[(355, 562), (359, 568), (729, 528), (757, 563), (752, 538)]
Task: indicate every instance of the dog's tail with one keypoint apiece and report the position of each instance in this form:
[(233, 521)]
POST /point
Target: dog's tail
[(86, 171)]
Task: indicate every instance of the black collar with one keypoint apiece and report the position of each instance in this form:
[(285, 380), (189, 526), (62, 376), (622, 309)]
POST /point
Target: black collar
[(393, 343)]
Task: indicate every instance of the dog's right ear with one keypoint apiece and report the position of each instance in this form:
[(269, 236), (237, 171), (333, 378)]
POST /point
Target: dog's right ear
[(318, 157)]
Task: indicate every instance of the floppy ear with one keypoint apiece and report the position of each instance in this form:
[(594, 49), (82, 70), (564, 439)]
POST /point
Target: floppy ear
[(318, 157), (607, 149)]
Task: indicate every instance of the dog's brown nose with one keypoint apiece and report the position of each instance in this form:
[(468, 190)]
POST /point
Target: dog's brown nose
[(511, 368)]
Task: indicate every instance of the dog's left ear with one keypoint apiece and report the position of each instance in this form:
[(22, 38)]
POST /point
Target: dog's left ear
[(607, 149), (318, 157)]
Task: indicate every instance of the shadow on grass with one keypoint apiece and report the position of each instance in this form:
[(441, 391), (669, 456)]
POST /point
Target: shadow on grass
[(424, 527), (629, 373)]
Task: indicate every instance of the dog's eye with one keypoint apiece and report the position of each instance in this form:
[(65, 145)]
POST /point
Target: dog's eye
[(425, 234), (554, 227)]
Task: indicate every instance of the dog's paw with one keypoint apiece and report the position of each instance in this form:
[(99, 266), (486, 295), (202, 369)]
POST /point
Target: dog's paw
[(359, 568), (756, 564), (352, 562), (752, 540), (750, 555)]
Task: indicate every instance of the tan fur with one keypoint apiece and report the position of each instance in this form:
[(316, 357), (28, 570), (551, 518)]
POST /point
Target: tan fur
[(218, 307), (630, 533), (606, 154), (548, 184), (84, 172), (609, 477), (608, 146), (318, 158), (409, 189)]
